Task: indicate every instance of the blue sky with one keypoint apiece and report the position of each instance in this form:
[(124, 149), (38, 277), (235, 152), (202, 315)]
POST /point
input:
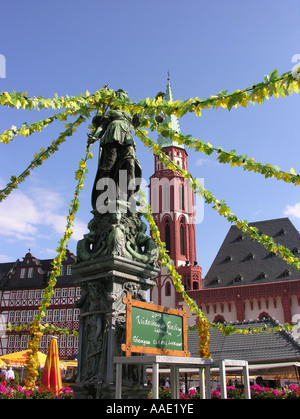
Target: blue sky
[(67, 47)]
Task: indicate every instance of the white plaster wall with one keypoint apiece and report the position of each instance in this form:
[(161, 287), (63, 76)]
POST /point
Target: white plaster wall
[(276, 312)]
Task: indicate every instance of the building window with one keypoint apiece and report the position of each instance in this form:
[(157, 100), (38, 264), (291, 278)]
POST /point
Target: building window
[(182, 244), (168, 236), (23, 341), (23, 316), (168, 289), (23, 273), (25, 294), (13, 295), (69, 270), (70, 341), (29, 315), (78, 292), (30, 272), (17, 317), (11, 341), (219, 319), (166, 198), (43, 342), (264, 316), (11, 317), (76, 314), (63, 341), (69, 315), (37, 294), (76, 342), (31, 294), (57, 293), (19, 295), (181, 197), (63, 315), (71, 292), (49, 316), (17, 342), (55, 315), (239, 278), (64, 292)]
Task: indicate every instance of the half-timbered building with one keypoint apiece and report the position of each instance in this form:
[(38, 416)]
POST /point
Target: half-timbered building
[(22, 284)]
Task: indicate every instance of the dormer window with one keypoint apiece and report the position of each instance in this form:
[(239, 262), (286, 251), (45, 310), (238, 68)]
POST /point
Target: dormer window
[(216, 280), (295, 250), (287, 273), (238, 278), (228, 258), (262, 275), (282, 232), (241, 237), (251, 256)]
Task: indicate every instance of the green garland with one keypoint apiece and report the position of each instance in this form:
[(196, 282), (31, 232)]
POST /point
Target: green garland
[(221, 206), (273, 85)]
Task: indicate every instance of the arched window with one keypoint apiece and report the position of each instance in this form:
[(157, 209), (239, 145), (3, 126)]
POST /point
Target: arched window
[(166, 198), (168, 236), (219, 319), (264, 316), (182, 244), (181, 196), (168, 289)]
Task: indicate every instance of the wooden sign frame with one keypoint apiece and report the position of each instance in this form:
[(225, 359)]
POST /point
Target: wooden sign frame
[(128, 347)]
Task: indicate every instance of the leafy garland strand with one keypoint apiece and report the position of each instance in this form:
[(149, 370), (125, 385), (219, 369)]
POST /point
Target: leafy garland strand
[(36, 328), (230, 157), (273, 85), (40, 157), (220, 206)]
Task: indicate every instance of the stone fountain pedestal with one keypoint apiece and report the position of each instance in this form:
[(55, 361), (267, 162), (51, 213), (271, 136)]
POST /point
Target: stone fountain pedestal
[(105, 280)]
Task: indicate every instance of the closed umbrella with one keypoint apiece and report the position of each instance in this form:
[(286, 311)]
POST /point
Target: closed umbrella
[(51, 377)]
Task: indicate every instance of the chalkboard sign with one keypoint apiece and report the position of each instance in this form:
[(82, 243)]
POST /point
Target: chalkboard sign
[(154, 329)]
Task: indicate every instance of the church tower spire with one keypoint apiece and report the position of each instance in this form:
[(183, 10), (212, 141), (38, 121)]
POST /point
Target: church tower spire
[(172, 205), (173, 120)]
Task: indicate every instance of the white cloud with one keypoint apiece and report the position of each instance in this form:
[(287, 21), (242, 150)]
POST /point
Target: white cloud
[(204, 161), (23, 216), (293, 210), (4, 258)]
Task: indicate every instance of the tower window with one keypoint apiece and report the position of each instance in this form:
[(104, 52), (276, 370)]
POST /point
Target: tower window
[(168, 236), (181, 197), (182, 244)]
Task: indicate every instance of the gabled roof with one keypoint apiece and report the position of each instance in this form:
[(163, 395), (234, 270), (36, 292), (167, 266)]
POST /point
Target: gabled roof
[(241, 261), (11, 278), (261, 348)]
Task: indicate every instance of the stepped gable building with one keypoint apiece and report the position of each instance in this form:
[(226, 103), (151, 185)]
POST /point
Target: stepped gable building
[(172, 205), (22, 284), (246, 281)]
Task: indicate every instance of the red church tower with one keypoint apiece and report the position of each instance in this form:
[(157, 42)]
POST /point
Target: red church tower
[(172, 204)]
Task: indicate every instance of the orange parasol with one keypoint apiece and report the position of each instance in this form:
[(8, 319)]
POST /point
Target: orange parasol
[(51, 377), (19, 358)]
